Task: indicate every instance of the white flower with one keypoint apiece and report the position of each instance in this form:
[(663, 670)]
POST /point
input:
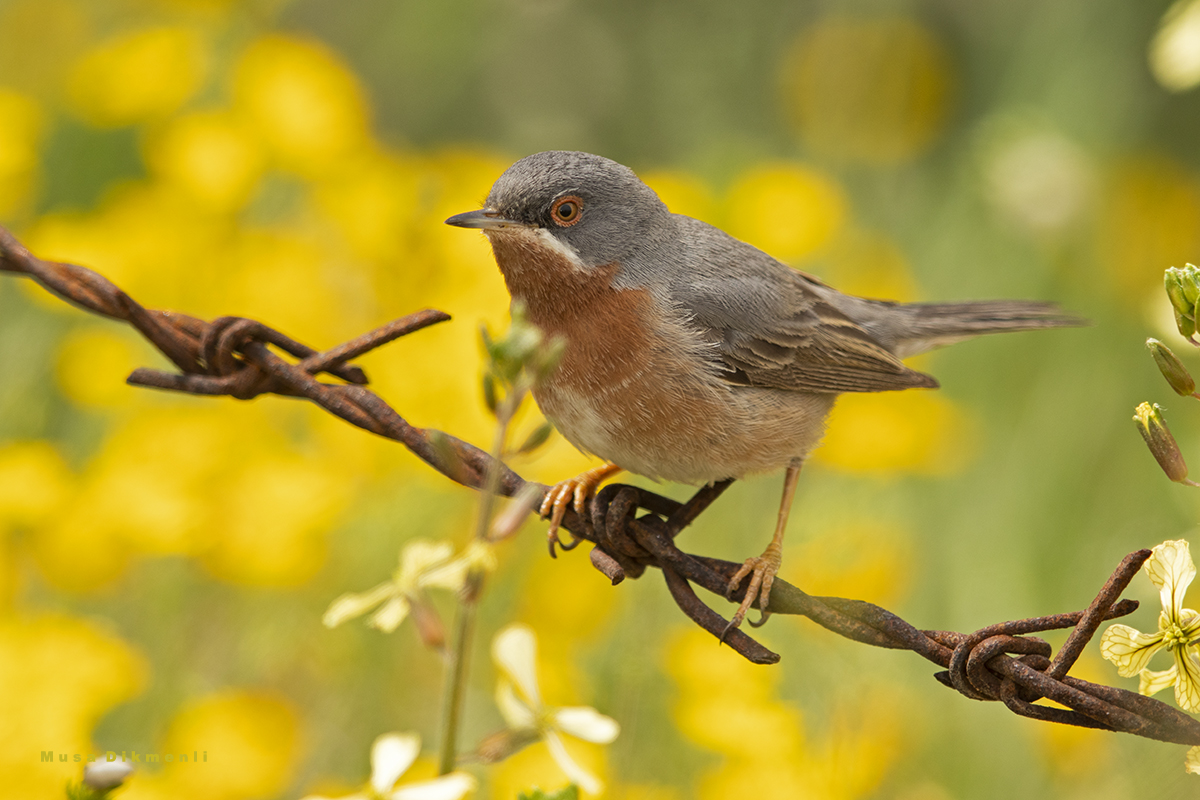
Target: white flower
[(1175, 51), (1170, 569), (391, 756), (105, 775), (423, 564), (515, 652)]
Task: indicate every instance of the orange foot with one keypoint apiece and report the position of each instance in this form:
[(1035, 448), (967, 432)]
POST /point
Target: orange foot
[(579, 489), (762, 571)]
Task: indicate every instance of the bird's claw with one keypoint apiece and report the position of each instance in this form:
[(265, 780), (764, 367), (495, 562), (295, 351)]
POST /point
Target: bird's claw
[(573, 491), (762, 571)]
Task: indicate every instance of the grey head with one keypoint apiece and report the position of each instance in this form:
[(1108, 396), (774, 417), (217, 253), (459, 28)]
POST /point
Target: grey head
[(596, 207)]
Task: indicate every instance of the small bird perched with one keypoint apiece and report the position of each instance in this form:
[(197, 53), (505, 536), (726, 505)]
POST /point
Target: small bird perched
[(691, 356)]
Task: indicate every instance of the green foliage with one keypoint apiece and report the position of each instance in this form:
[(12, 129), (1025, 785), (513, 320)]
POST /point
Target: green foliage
[(566, 793)]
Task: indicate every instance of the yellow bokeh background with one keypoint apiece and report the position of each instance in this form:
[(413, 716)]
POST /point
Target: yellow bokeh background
[(165, 560)]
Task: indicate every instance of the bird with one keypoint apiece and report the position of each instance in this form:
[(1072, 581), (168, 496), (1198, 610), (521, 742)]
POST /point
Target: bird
[(689, 355)]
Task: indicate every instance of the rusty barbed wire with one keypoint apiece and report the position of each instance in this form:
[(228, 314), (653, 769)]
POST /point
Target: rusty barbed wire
[(1003, 662)]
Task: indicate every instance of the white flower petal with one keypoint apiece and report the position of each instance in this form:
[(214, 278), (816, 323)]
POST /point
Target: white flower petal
[(1192, 762), (451, 575), (575, 773), (105, 775), (515, 652), (517, 715), (351, 605), (1187, 683), (1129, 649), (391, 755), (447, 787), (1171, 569), (418, 557), (1154, 682), (586, 723), (388, 618)]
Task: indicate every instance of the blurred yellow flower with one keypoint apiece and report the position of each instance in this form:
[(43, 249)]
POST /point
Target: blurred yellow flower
[(862, 560), (275, 512), (39, 39), (788, 210), (730, 706), (892, 432), (535, 767), (213, 155), (249, 743), (306, 104), (1070, 751), (683, 193), (286, 278), (92, 365), (151, 239), (555, 589), (868, 264), (34, 482), (139, 76), (61, 675), (374, 201), (727, 704), (869, 89), (21, 127), (1149, 220)]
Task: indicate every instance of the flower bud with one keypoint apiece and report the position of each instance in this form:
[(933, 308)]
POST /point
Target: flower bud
[(1171, 368), (104, 776), (1161, 443), (1183, 289), (515, 513)]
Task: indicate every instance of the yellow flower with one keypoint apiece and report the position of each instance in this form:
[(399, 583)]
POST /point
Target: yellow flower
[(391, 756), (423, 565), (788, 210), (139, 76), (1149, 219), (897, 432), (1170, 569), (212, 155), (305, 103), (515, 652), (21, 127)]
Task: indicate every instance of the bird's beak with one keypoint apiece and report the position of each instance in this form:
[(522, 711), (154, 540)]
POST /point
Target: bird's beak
[(483, 219)]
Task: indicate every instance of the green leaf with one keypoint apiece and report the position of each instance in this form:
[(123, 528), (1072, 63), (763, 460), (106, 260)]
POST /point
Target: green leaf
[(570, 792), (537, 438)]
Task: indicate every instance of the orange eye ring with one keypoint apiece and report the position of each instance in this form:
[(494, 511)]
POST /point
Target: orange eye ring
[(566, 211)]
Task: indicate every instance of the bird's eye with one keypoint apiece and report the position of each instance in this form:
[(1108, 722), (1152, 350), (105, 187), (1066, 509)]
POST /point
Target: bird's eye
[(566, 210)]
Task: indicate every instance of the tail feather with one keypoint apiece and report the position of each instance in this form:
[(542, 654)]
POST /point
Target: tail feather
[(912, 328)]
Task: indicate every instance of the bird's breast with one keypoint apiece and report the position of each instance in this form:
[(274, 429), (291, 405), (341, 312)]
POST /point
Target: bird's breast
[(636, 385)]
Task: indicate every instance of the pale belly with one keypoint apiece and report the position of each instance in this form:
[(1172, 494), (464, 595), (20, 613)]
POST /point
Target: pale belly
[(688, 430)]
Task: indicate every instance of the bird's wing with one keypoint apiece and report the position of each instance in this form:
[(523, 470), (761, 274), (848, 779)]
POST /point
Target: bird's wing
[(770, 326)]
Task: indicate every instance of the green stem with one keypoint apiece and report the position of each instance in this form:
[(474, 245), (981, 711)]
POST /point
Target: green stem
[(464, 626)]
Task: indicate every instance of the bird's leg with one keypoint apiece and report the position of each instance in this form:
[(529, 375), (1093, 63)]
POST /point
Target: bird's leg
[(579, 489), (762, 570)]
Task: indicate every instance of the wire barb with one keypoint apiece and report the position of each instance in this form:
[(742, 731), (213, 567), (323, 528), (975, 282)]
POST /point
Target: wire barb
[(237, 357)]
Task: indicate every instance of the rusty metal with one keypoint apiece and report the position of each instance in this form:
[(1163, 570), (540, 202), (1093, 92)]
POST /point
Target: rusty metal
[(237, 357)]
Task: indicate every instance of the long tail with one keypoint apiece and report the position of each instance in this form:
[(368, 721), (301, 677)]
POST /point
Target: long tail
[(912, 328)]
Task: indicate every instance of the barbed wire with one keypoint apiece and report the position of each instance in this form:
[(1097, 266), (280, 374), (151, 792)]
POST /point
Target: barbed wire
[(233, 356)]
